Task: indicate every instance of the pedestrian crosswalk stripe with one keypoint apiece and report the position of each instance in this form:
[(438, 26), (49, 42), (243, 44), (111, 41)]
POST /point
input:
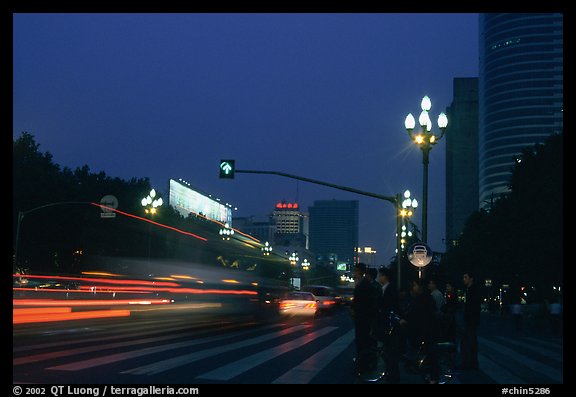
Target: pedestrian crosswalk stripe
[(556, 356), (113, 358), (105, 336), (535, 365), (93, 348), (309, 368), (234, 369), (178, 361), (498, 373)]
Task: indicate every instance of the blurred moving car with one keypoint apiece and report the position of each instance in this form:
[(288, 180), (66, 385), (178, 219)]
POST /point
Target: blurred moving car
[(326, 296), (298, 303), (346, 297)]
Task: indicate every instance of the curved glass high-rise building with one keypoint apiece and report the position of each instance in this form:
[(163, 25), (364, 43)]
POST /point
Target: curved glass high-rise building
[(520, 91)]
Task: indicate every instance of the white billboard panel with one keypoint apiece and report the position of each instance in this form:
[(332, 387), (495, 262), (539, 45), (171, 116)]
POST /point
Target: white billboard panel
[(186, 200)]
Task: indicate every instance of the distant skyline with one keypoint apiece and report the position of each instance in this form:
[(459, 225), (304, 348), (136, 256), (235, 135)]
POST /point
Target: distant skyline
[(317, 95)]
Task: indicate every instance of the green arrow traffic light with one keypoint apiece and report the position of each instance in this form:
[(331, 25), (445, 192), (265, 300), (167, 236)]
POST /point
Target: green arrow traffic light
[(227, 169)]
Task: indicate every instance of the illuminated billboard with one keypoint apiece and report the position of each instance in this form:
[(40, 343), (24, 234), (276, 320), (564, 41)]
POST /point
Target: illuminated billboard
[(188, 201)]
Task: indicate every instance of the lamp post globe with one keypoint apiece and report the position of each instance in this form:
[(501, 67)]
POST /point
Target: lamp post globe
[(425, 139)]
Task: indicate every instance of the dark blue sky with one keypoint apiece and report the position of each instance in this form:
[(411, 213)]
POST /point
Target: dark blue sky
[(317, 95)]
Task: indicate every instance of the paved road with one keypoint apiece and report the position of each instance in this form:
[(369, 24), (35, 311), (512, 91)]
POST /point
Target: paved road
[(178, 351)]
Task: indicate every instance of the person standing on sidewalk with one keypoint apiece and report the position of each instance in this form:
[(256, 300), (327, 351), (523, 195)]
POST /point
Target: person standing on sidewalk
[(421, 323), (436, 294), (469, 342), (385, 330), (364, 313)]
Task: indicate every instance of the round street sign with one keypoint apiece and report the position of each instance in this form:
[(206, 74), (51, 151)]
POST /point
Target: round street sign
[(108, 201), (420, 254)]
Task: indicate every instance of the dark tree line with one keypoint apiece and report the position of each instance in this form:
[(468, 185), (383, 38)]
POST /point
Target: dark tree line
[(65, 238), (54, 238), (518, 238)]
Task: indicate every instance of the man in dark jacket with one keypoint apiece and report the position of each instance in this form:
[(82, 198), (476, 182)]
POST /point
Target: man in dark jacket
[(364, 312), (372, 276), (388, 302), (469, 342), (420, 320)]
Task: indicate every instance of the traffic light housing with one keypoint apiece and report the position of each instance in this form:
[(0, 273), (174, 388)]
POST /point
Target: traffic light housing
[(227, 169)]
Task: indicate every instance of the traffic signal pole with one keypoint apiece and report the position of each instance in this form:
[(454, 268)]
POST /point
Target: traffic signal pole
[(396, 200), (391, 199)]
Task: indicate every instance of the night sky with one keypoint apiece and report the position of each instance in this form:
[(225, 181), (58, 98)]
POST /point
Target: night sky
[(317, 95)]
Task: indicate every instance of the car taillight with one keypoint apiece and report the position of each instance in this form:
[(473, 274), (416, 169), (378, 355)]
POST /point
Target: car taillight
[(329, 302)]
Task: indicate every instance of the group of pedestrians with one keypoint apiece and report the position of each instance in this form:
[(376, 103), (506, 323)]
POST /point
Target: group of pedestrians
[(395, 323)]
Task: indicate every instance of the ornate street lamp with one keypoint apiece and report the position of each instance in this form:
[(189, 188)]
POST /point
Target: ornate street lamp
[(426, 140)]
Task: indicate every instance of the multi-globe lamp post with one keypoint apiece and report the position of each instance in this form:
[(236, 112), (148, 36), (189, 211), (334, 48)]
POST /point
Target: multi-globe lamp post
[(426, 140), (293, 258), (226, 232), (151, 205), (409, 205), (266, 249)]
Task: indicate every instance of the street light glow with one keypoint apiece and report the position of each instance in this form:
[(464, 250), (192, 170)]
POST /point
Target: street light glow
[(407, 193), (426, 140), (152, 193), (423, 118), (426, 103), (409, 123), (442, 120)]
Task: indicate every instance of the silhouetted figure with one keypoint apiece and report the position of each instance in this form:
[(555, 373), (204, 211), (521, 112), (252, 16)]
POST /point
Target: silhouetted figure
[(449, 310), (420, 321), (364, 312), (436, 294), (469, 342), (404, 300), (387, 303), (372, 276), (448, 319)]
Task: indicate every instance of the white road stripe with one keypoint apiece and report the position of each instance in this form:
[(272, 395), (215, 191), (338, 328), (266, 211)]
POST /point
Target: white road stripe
[(537, 366), (166, 365), (113, 358), (309, 368), (553, 355), (94, 348), (500, 374), (119, 335), (236, 368)]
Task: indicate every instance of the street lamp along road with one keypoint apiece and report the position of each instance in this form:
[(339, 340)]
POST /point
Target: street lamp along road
[(226, 232), (408, 207), (267, 248), (151, 206), (426, 140)]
